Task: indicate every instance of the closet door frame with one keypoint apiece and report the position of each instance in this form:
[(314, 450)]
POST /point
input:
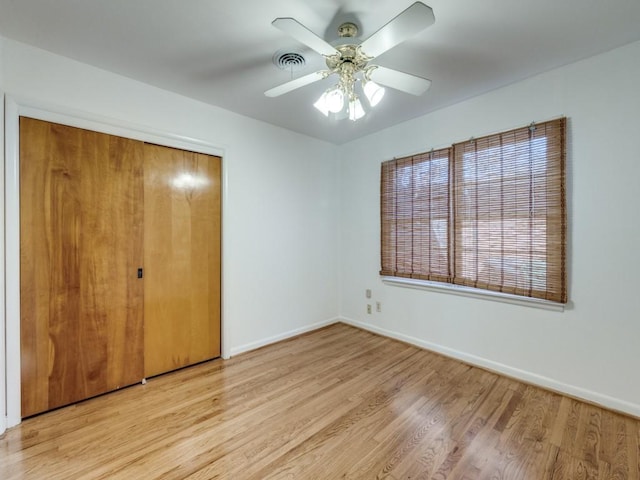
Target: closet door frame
[(14, 109)]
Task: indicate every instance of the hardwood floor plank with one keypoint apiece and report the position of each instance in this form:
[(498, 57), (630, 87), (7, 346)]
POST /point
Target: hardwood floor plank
[(335, 403)]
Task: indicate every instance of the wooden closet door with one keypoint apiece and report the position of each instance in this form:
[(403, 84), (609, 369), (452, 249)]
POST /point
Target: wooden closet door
[(81, 207), (181, 258)]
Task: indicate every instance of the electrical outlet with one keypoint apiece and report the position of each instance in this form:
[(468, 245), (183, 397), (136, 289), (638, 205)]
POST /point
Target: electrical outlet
[(367, 293), (369, 308), (378, 307)]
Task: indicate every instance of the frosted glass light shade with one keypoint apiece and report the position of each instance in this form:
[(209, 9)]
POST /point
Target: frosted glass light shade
[(355, 109), (373, 92), (334, 100), (321, 104)]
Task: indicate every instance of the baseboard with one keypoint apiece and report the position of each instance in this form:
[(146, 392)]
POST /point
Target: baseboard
[(547, 383), (282, 336), (8, 422), (13, 421)]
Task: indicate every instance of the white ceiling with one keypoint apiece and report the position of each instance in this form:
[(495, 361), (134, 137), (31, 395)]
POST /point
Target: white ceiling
[(220, 52)]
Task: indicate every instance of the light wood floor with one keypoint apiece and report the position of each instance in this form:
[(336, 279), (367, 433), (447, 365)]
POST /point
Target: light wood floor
[(336, 403)]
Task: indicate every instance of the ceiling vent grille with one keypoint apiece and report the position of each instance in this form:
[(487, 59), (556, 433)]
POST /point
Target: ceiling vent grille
[(289, 60)]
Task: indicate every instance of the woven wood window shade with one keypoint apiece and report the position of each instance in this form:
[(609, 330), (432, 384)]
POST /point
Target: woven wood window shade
[(488, 213), (415, 205), (509, 212)]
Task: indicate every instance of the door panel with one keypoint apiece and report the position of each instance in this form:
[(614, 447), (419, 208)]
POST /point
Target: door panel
[(81, 217), (182, 258)]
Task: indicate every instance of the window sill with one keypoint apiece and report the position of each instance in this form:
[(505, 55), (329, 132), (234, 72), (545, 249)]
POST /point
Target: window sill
[(473, 293)]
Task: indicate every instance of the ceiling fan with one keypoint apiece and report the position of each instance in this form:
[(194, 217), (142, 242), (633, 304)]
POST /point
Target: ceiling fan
[(350, 62)]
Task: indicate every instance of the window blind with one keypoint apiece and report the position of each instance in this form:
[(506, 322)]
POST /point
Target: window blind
[(415, 223), (509, 212), (488, 213)]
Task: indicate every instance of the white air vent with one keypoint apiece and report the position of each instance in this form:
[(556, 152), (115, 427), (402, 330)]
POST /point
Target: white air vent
[(289, 60)]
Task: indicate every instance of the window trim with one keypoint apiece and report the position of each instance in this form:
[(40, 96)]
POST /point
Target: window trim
[(472, 292)]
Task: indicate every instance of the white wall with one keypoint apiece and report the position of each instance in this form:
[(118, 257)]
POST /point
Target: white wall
[(281, 192), (591, 350), (3, 405)]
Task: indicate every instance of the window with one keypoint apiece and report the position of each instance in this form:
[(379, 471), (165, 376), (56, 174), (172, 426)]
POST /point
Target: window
[(488, 213)]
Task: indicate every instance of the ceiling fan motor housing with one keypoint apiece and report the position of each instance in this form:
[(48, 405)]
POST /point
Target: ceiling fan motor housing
[(348, 53), (348, 29)]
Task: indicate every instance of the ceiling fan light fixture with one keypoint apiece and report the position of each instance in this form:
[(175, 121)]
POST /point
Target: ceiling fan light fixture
[(373, 92), (321, 104), (334, 100), (356, 111), (350, 61)]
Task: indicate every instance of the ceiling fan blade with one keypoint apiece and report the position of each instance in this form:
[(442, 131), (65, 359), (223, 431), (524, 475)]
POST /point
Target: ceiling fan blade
[(295, 29), (400, 80), (407, 24), (294, 84)]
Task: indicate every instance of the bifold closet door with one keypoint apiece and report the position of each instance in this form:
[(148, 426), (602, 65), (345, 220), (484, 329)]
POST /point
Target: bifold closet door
[(182, 224), (81, 232)]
